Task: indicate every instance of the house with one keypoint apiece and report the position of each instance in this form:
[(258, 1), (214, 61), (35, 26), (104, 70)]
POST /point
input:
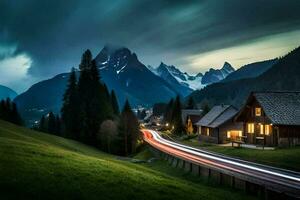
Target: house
[(271, 118), (191, 116), (217, 126)]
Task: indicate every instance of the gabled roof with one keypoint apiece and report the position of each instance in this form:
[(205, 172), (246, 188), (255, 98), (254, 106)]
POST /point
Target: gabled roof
[(217, 116), (190, 112), (280, 107)]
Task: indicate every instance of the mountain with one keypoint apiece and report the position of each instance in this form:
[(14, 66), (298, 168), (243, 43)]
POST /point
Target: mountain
[(120, 70), (185, 83), (251, 70), (216, 75), (7, 92), (175, 78), (283, 75)]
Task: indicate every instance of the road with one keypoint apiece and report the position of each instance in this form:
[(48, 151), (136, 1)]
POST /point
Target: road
[(282, 180)]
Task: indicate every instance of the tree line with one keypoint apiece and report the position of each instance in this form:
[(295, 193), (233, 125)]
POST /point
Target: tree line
[(91, 114), (9, 112)]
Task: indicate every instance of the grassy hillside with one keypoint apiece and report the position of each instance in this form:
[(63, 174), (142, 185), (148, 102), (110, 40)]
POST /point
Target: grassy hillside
[(36, 165)]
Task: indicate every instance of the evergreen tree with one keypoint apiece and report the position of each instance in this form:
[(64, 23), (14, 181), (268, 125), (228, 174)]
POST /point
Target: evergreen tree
[(15, 116), (43, 124), (9, 112), (205, 108), (94, 104), (57, 125), (114, 103), (168, 112), (128, 130), (176, 118), (191, 103), (2, 109), (70, 108), (8, 109), (51, 123), (106, 91)]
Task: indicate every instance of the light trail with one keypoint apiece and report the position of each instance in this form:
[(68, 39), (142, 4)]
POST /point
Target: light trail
[(270, 174)]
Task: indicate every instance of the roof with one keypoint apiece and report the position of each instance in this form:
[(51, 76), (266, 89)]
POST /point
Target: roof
[(280, 107), (190, 112), (217, 116), (195, 118)]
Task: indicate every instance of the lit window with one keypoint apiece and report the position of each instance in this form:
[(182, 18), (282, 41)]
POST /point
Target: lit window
[(261, 129), (267, 129), (207, 131), (240, 133), (228, 134), (250, 128), (257, 111), (234, 134)]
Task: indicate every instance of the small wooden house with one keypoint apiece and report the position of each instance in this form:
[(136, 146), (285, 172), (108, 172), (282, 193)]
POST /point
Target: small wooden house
[(191, 116), (271, 118), (217, 126)]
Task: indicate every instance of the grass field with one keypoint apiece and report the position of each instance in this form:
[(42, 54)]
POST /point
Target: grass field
[(288, 158), (34, 165)]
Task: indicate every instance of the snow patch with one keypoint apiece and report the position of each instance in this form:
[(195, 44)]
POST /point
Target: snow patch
[(118, 71)]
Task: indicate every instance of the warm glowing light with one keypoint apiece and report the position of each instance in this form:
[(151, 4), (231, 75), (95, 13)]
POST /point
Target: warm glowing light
[(250, 128), (257, 111)]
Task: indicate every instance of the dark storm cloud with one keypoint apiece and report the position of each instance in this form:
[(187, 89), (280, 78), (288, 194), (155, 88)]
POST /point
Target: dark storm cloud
[(54, 33)]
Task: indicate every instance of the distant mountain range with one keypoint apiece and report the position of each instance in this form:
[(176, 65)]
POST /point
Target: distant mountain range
[(121, 71), (273, 75), (185, 83), (7, 92)]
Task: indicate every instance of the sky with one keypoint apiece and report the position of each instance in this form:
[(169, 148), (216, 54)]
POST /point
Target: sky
[(39, 39)]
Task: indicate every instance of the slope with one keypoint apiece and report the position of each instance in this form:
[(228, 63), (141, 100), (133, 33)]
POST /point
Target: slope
[(283, 75), (251, 70), (7, 92), (35, 165)]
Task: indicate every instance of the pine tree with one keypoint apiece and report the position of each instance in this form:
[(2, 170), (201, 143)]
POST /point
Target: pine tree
[(2, 109), (176, 118), (57, 125), (9, 112), (191, 103), (94, 104), (106, 91), (128, 130), (168, 112), (70, 108), (8, 109), (114, 103), (43, 124), (15, 116), (205, 108), (51, 123)]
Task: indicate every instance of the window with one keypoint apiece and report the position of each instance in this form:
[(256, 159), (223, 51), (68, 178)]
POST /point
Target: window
[(250, 128), (207, 131), (234, 134), (228, 134), (257, 111), (267, 129), (261, 129)]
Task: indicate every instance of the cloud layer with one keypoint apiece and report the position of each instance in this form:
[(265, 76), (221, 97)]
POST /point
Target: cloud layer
[(53, 34)]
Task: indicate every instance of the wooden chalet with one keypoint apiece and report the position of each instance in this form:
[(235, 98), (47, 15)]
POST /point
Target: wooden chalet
[(271, 118), (218, 126)]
